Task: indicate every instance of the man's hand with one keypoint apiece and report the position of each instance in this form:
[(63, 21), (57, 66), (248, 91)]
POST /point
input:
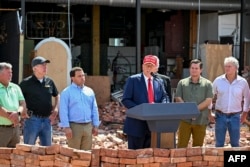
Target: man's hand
[(95, 131), (68, 132), (53, 117), (14, 118)]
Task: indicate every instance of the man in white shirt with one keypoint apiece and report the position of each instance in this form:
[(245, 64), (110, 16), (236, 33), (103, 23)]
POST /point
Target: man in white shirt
[(230, 91)]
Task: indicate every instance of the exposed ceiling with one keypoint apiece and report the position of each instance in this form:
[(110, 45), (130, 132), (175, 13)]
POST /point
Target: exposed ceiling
[(224, 5)]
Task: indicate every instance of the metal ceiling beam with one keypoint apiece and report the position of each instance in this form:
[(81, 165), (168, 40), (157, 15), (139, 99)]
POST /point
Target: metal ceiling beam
[(159, 4)]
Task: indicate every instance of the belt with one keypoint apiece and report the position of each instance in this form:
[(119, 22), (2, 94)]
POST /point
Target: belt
[(7, 126), (228, 114), (79, 122), (39, 116), (31, 113)]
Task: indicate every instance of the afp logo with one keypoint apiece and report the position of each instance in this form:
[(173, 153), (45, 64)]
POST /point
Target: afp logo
[(236, 158)]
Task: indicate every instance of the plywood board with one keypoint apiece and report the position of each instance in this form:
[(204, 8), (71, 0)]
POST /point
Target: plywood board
[(58, 68), (101, 87), (212, 56)]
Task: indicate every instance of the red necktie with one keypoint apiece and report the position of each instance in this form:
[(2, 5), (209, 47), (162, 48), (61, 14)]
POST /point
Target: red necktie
[(150, 92)]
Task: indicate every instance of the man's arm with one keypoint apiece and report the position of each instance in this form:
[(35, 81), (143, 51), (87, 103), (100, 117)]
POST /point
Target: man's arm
[(54, 111), (4, 112), (204, 105)]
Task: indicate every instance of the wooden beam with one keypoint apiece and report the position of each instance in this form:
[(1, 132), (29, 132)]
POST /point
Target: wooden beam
[(96, 39), (192, 32)]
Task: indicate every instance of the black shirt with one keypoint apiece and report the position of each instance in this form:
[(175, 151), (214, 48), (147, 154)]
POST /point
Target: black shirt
[(38, 95)]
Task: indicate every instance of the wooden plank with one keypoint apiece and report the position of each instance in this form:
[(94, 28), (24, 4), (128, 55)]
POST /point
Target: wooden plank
[(167, 140), (101, 87), (212, 56), (153, 139)]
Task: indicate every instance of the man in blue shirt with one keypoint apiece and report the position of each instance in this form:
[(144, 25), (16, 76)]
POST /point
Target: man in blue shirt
[(79, 115)]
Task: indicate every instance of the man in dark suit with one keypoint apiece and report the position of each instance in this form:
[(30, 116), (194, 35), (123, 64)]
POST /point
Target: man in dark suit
[(136, 93), (166, 79)]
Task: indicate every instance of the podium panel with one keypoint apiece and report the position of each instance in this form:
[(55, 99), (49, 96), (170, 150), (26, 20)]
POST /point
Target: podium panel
[(163, 117)]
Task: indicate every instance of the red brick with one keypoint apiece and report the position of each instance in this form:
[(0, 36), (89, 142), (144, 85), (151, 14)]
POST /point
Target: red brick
[(108, 152), (162, 159), (96, 152), (127, 161), (17, 162), (200, 163), (210, 158), (110, 160), (165, 164), (146, 152), (180, 152), (20, 152), (125, 153), (106, 164), (95, 158), (194, 151), (210, 151), (81, 154), (4, 150), (4, 156), (41, 150), (152, 165), (159, 152), (59, 163), (144, 160), (178, 159), (4, 162), (80, 162), (24, 147), (46, 157), (33, 161), (31, 165), (216, 164), (62, 158), (137, 165), (67, 151), (194, 158), (46, 163), (185, 164), (54, 149), (17, 157)]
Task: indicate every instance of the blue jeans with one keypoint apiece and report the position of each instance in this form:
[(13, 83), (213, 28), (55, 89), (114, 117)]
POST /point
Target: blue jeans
[(230, 123), (37, 127)]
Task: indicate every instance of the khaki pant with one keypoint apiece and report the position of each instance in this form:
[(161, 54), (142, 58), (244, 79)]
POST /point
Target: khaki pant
[(9, 136), (82, 136), (184, 133)]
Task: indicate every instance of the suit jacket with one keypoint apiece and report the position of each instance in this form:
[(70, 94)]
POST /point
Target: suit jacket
[(167, 84), (135, 93)]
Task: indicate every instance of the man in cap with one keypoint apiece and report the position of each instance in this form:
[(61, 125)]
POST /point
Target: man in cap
[(142, 88), (38, 90)]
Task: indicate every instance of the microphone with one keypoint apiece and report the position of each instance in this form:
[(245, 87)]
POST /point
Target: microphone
[(153, 75)]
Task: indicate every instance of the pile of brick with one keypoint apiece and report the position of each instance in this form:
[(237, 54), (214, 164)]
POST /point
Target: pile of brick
[(61, 156), (112, 112)]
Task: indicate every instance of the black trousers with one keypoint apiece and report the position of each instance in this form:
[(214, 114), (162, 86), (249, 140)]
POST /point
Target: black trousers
[(139, 142)]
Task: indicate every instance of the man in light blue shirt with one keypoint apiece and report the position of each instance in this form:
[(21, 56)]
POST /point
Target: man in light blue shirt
[(78, 113)]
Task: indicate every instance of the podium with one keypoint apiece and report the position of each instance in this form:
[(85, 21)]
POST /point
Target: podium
[(163, 117)]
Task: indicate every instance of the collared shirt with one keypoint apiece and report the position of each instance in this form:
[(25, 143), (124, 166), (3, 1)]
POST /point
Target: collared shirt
[(9, 99), (230, 95), (78, 104), (38, 95), (146, 81), (195, 92)]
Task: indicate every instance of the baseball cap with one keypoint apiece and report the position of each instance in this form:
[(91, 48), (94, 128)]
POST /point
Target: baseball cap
[(39, 60), (150, 59)]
